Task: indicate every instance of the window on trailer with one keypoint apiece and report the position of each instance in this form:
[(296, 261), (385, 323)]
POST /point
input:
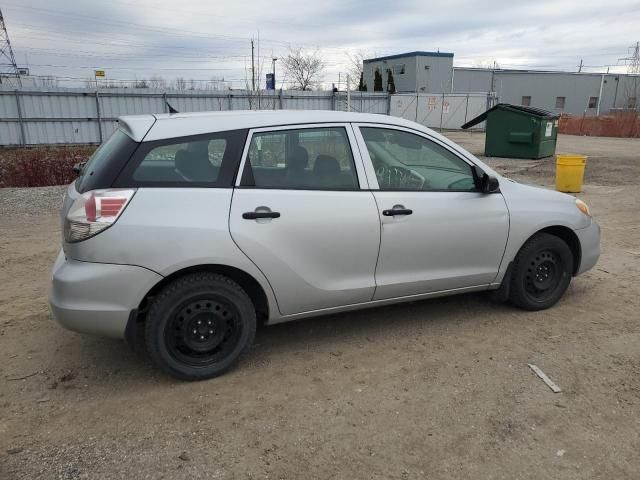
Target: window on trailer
[(593, 102), (526, 101), (560, 101)]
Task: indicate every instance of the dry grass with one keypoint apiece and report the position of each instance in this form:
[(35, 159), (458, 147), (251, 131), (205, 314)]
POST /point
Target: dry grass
[(41, 166)]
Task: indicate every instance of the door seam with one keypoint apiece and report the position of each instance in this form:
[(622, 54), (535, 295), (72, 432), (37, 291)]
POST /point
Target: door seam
[(233, 194), (375, 270)]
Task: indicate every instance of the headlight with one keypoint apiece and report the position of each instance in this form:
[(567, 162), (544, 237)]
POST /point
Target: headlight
[(583, 207)]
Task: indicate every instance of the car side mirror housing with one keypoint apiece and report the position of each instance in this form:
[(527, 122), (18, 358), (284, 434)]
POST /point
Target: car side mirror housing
[(485, 183), (489, 184)]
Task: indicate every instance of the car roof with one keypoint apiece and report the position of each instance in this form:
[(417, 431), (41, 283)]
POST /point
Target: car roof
[(167, 125)]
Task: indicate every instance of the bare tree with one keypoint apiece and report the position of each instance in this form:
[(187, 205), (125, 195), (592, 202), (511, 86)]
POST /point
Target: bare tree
[(304, 69), (355, 65), (157, 82), (180, 83), (47, 81), (216, 83)]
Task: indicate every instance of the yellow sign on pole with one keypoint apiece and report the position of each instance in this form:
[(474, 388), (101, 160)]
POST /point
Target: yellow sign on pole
[(100, 73)]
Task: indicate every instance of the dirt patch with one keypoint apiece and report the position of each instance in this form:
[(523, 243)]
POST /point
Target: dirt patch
[(435, 389), (611, 161)]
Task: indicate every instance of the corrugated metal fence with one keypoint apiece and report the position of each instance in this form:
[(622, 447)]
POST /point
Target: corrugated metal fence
[(81, 116), (442, 111)]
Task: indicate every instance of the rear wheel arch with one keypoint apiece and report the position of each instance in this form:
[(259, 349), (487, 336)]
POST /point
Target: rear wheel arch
[(248, 283)]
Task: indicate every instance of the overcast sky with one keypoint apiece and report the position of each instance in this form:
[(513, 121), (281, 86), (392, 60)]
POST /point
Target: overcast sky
[(199, 39)]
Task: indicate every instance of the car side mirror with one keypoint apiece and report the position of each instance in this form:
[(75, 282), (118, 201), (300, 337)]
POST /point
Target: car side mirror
[(489, 184)]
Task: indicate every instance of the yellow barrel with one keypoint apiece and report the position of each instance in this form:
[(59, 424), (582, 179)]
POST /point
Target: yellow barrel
[(570, 172)]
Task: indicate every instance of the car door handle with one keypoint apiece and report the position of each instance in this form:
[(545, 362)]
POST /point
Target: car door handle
[(397, 211), (257, 215)]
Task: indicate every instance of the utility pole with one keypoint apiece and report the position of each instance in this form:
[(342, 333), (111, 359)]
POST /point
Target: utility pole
[(580, 66), (492, 86), (8, 66), (348, 93), (600, 95), (253, 69), (493, 77), (273, 70)]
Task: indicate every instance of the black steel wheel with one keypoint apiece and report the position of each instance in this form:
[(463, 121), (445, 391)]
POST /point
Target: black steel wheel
[(541, 272), (198, 326), (543, 275)]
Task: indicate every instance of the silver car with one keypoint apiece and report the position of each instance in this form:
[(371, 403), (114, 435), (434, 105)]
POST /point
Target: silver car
[(201, 225)]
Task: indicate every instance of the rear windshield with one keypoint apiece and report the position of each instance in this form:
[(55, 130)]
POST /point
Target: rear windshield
[(106, 162)]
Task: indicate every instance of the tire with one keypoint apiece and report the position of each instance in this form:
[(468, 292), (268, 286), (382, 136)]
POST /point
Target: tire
[(199, 325), (541, 272)]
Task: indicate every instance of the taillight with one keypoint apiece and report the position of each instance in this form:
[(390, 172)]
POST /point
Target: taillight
[(94, 211)]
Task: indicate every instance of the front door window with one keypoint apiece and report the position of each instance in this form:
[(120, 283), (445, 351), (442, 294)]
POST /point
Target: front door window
[(404, 161)]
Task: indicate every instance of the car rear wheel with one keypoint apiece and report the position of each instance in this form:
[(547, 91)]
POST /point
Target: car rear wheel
[(199, 325), (541, 272)]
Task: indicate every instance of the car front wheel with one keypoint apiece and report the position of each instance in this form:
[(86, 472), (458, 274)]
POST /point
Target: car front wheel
[(541, 272), (199, 325)]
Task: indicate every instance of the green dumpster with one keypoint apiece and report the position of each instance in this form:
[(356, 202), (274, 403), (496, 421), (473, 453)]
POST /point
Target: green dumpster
[(514, 131)]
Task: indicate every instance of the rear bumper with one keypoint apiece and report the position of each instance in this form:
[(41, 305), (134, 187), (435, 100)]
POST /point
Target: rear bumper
[(589, 245), (97, 298)]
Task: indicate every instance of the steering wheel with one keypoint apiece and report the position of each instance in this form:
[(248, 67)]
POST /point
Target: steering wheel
[(399, 177)]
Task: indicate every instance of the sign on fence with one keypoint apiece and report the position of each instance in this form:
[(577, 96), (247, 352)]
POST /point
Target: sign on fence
[(444, 111)]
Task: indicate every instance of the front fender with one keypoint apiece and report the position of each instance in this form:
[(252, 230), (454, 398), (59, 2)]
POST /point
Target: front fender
[(532, 209)]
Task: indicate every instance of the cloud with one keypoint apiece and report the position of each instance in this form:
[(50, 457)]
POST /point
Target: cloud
[(203, 39)]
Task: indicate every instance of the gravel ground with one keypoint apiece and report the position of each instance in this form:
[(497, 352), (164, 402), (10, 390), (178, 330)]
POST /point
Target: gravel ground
[(435, 389), (30, 201)]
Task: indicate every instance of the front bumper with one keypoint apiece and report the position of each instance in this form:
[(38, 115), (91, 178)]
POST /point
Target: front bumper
[(97, 298), (589, 245)]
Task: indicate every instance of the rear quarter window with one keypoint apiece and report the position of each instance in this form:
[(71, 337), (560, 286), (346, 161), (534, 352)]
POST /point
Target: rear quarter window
[(209, 160), (107, 161)]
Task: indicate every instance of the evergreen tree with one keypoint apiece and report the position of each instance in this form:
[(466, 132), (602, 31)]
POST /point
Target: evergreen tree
[(391, 86), (362, 87), (377, 81)]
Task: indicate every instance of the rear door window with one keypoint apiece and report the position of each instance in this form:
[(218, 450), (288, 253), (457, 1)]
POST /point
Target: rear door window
[(301, 159), (200, 160)]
